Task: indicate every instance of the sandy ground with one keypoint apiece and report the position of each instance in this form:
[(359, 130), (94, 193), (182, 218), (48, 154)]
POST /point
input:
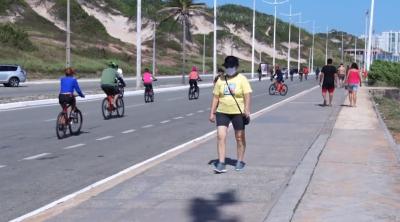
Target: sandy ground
[(44, 11)]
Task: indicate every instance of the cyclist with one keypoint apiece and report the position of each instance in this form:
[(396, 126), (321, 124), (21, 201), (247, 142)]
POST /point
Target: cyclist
[(109, 81), (68, 85), (278, 78), (147, 79), (194, 77)]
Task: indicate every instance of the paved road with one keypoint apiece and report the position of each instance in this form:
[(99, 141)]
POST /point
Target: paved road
[(37, 90), (36, 168)]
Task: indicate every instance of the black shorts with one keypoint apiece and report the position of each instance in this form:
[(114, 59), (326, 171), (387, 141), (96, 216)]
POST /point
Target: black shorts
[(224, 119), (109, 90), (148, 86), (66, 99)]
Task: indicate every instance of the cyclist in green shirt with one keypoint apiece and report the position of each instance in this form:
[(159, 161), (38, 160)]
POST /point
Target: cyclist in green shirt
[(109, 79)]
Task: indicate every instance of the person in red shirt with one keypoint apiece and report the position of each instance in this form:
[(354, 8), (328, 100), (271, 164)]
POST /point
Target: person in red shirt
[(353, 80), (305, 71)]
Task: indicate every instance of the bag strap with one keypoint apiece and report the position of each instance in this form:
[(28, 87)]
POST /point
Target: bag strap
[(227, 84)]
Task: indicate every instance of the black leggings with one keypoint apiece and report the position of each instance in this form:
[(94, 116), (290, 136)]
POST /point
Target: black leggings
[(193, 82)]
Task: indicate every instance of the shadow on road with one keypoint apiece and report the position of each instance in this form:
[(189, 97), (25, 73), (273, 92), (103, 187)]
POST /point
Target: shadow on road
[(203, 210)]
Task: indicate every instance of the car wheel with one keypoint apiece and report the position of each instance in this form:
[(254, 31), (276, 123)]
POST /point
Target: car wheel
[(13, 82)]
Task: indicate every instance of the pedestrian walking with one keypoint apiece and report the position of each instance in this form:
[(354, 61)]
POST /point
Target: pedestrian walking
[(231, 104), (342, 75), (353, 80), (317, 73), (328, 81)]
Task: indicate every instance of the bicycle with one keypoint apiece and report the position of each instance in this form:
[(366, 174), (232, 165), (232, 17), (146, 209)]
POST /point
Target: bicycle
[(282, 89), (121, 89), (194, 92), (108, 108), (148, 95), (72, 121)]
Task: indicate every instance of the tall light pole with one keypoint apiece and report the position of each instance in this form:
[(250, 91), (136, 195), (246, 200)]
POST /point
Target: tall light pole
[(312, 50), (342, 55), (154, 49), (299, 50), (275, 4), (138, 43), (365, 39), (355, 50), (204, 54), (68, 44), (290, 15), (254, 39), (215, 40), (371, 23), (326, 44)]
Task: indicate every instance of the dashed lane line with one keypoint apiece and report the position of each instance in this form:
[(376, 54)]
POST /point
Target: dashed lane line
[(176, 98), (36, 156), (74, 146), (136, 105), (147, 126), (165, 121), (128, 131), (190, 114), (104, 138), (50, 120), (2, 166), (200, 111), (178, 117)]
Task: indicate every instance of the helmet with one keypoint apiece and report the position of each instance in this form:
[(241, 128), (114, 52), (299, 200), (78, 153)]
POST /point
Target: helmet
[(113, 65), (194, 69)]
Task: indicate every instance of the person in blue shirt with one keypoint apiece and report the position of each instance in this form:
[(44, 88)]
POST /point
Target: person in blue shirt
[(68, 85), (278, 78)]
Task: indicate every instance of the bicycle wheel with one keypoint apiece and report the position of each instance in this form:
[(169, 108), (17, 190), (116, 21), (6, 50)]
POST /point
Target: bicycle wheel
[(75, 124), (121, 91), (120, 107), (151, 96), (284, 90), (272, 89), (146, 96), (191, 93), (197, 93), (105, 109), (61, 126)]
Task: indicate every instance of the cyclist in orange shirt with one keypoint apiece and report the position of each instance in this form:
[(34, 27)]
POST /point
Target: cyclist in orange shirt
[(194, 77)]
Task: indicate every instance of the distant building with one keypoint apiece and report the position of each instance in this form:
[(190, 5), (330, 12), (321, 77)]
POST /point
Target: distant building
[(386, 46)]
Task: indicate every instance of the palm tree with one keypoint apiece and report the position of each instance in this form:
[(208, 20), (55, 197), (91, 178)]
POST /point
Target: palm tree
[(181, 11)]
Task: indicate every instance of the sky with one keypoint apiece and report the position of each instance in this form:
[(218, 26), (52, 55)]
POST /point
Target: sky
[(343, 15)]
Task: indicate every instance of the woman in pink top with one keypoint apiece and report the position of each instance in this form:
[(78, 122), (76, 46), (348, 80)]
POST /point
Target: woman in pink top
[(353, 80), (147, 78)]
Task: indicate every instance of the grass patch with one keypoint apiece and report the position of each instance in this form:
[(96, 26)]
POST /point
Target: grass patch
[(390, 111)]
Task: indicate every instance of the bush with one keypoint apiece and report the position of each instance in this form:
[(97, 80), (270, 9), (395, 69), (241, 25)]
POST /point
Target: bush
[(14, 37), (387, 72)]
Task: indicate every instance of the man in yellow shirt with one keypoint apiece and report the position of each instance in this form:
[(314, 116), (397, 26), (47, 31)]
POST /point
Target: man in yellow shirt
[(231, 101)]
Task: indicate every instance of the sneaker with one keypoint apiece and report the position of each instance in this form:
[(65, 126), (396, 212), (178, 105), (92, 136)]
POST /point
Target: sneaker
[(220, 168), (239, 165)]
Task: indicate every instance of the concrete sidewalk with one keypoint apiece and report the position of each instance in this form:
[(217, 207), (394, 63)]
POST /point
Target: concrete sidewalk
[(358, 174), (185, 188)]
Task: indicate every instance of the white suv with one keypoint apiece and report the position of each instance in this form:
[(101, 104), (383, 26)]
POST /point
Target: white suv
[(12, 75)]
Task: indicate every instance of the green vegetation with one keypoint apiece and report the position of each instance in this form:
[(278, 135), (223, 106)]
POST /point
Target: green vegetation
[(383, 72), (7, 4), (14, 37), (390, 111)]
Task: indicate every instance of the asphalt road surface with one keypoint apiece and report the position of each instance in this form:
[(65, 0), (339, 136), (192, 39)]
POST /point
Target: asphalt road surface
[(36, 168)]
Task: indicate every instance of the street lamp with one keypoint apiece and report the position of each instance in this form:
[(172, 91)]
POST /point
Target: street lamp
[(204, 53), (215, 40), (68, 44), (290, 15), (253, 40), (299, 50), (154, 49), (275, 4), (138, 43), (371, 23), (365, 38)]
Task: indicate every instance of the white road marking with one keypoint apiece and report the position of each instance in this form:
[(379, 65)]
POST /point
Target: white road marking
[(178, 117), (104, 138), (74, 146), (50, 120), (2, 166), (200, 111), (128, 131), (165, 121), (144, 163), (36, 156), (176, 98), (147, 126), (263, 94), (190, 114), (136, 105), (208, 108)]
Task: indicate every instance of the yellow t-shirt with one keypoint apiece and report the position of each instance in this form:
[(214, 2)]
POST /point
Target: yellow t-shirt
[(239, 86)]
